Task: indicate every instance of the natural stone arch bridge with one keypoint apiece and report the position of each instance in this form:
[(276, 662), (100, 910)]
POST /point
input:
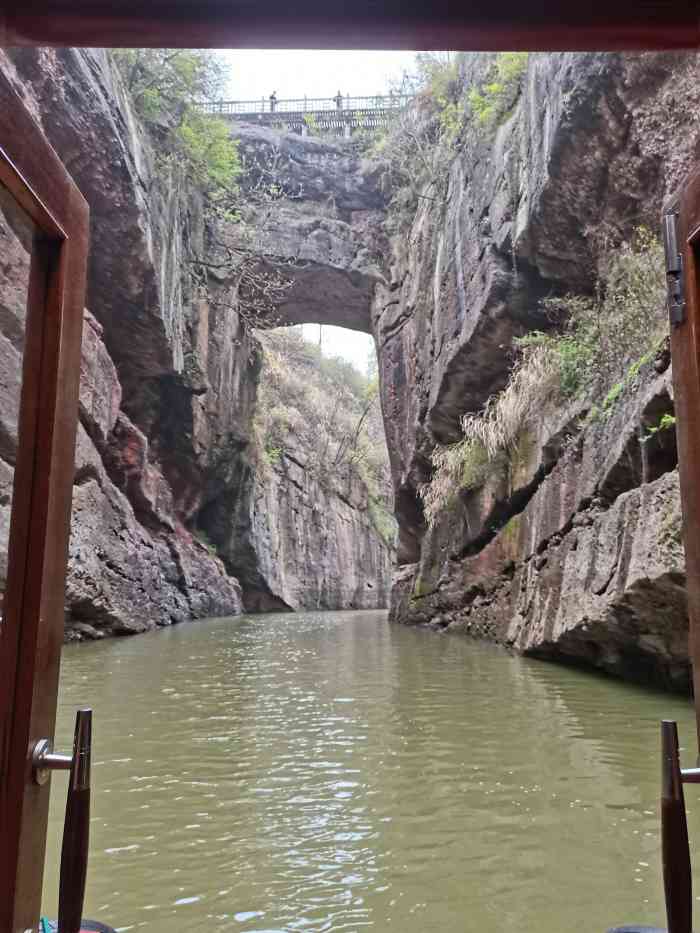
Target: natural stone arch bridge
[(327, 236), (339, 115)]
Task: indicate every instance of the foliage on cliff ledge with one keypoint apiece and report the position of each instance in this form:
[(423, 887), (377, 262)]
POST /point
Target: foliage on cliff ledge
[(460, 98), (325, 414), (600, 335), (166, 86), (493, 435), (230, 267), (493, 100), (464, 96), (596, 348)]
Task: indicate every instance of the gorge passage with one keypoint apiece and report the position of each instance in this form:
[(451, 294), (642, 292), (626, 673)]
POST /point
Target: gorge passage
[(567, 546)]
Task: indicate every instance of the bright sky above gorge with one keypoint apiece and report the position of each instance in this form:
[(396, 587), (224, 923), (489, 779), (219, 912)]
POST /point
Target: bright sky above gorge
[(256, 73)]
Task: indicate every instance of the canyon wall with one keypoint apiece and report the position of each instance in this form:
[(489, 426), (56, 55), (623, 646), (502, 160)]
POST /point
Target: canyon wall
[(575, 552), (296, 543), (168, 391)]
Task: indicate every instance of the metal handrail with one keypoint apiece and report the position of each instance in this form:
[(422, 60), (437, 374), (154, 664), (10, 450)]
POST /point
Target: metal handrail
[(308, 104)]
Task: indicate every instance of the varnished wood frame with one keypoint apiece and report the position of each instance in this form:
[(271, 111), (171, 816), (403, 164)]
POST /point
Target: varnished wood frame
[(473, 25), (685, 353), (32, 630)]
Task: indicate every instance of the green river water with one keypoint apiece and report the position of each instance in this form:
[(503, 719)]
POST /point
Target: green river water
[(329, 771)]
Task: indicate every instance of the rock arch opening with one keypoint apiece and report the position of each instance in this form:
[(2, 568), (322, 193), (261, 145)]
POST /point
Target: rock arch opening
[(313, 519)]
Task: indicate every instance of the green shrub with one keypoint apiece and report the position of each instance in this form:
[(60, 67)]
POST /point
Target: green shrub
[(167, 87), (605, 338), (620, 322), (273, 454), (438, 75), (666, 422), (613, 395), (209, 149), (311, 123), (421, 142), (493, 101), (441, 82)]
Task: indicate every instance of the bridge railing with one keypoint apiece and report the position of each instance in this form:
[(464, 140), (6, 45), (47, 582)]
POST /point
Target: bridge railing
[(265, 105)]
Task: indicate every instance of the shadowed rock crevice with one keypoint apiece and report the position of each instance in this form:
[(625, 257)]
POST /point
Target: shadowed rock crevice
[(478, 367), (409, 505)]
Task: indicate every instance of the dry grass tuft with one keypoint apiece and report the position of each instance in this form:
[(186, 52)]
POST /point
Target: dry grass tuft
[(491, 435), (595, 353)]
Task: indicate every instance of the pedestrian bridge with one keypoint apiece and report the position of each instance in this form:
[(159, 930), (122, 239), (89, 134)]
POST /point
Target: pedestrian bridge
[(338, 115)]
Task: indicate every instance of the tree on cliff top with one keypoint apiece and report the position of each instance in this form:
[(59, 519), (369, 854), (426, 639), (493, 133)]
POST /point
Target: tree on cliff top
[(167, 87)]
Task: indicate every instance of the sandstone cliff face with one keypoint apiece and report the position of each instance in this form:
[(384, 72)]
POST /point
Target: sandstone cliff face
[(578, 555), (168, 381), (298, 544)]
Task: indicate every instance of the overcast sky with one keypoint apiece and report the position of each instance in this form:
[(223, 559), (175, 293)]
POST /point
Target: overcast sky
[(257, 73), (339, 341)]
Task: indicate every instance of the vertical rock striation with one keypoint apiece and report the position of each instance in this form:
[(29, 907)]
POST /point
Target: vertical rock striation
[(575, 552), (168, 390)]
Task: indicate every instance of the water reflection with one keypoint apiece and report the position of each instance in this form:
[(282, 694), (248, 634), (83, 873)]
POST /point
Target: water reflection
[(331, 772)]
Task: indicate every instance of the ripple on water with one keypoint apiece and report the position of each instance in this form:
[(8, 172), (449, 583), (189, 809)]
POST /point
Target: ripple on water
[(328, 771)]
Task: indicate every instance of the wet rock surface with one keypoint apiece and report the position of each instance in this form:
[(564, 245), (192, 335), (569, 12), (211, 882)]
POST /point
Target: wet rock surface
[(577, 554)]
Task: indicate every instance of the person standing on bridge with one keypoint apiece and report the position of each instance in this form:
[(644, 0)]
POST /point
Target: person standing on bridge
[(338, 101), (273, 101)]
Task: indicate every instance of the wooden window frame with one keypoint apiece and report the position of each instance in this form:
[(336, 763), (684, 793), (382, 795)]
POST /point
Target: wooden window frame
[(548, 25), (31, 633), (685, 355)]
